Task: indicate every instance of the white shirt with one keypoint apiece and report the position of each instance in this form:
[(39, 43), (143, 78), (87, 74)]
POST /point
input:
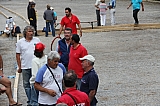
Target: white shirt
[(37, 63), (97, 3), (26, 50)]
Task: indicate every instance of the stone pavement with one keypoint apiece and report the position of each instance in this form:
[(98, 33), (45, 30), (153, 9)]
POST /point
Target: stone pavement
[(127, 62)]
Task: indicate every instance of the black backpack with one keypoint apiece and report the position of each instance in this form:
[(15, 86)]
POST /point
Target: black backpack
[(17, 29)]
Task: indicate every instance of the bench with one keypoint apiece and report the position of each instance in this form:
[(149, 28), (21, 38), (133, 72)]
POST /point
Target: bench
[(89, 22)]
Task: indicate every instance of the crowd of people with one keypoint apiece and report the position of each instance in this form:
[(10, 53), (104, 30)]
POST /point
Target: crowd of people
[(66, 76)]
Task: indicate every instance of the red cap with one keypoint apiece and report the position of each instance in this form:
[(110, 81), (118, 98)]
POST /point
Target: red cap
[(39, 47)]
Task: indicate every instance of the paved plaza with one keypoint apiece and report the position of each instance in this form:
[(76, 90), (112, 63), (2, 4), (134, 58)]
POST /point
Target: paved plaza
[(127, 62)]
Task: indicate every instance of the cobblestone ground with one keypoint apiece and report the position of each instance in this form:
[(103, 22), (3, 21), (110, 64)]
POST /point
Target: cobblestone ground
[(127, 62)]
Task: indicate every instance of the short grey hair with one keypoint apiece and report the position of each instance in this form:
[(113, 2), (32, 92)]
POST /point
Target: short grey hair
[(52, 55), (26, 29), (91, 63)]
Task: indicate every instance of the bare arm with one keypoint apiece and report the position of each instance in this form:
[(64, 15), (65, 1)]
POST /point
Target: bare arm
[(129, 6), (142, 6), (80, 30), (60, 30), (18, 62), (42, 89), (1, 66), (92, 93)]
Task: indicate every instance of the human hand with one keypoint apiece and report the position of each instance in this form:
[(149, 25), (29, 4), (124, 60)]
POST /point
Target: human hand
[(19, 70), (51, 92), (128, 7), (80, 33), (142, 8)]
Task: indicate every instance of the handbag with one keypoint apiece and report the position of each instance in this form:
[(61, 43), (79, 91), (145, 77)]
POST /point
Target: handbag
[(54, 79)]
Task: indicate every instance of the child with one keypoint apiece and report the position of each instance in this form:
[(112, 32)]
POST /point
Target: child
[(103, 8)]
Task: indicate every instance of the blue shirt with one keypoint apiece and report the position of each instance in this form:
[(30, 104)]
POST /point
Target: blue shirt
[(90, 82), (112, 3), (136, 4)]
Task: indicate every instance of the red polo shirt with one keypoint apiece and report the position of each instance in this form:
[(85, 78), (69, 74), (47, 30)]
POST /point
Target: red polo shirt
[(71, 23), (75, 63), (81, 98)]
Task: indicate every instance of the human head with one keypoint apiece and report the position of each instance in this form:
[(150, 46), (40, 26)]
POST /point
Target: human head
[(28, 31), (103, 1), (32, 4), (52, 59), (70, 79), (38, 52), (67, 33), (68, 11), (52, 8), (48, 7), (61, 104), (87, 61), (75, 38)]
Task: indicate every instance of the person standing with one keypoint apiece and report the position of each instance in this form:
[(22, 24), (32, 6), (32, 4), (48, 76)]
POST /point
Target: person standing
[(33, 18), (48, 16), (90, 81), (136, 4), (70, 21), (112, 8), (103, 8), (7, 86), (37, 63), (98, 12), (28, 9), (54, 15), (63, 47), (24, 54), (71, 96), (76, 51), (49, 80)]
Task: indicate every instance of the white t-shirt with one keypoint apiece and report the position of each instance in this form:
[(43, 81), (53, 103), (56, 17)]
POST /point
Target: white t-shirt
[(44, 77), (97, 3), (26, 50), (37, 63)]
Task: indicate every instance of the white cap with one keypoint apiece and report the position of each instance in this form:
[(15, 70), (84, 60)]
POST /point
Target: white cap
[(51, 8), (88, 57)]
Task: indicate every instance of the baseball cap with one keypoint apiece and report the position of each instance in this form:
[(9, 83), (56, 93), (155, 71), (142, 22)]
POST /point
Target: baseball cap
[(31, 0), (39, 47), (88, 57)]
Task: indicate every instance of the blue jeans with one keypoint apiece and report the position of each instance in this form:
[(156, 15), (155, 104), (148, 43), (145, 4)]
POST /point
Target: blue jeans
[(26, 73), (48, 24), (34, 96), (78, 83)]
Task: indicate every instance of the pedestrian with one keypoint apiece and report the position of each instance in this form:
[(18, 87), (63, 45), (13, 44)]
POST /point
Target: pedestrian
[(48, 16), (49, 80), (37, 63), (71, 96), (24, 54), (10, 26), (32, 17), (63, 47), (7, 86), (90, 81), (112, 8), (103, 8), (98, 12), (70, 21), (28, 9), (136, 4), (54, 15), (77, 51)]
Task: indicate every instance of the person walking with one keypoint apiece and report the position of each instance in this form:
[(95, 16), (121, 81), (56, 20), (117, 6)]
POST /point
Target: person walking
[(77, 51), (136, 4), (49, 80), (37, 63), (33, 18), (71, 96), (24, 54), (112, 8), (98, 12), (70, 21), (49, 17), (103, 8), (90, 80), (7, 86), (63, 47)]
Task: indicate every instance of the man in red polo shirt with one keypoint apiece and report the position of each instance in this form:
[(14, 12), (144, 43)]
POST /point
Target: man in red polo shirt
[(70, 21)]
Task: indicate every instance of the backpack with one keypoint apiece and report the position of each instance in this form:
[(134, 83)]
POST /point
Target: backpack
[(17, 29)]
